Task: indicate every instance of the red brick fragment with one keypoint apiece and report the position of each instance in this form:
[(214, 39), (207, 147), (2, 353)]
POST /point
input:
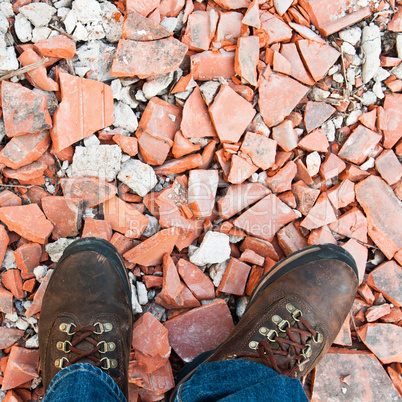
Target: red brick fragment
[(252, 257), (136, 27), (283, 179), (175, 166), (393, 114), (321, 235), (260, 149), (143, 7), (274, 29), (240, 170), (331, 167), (369, 119), (229, 28), (57, 46), (285, 135), (342, 195), (4, 240), (9, 199), (344, 336), (376, 312), (27, 257), (8, 336), (200, 29), (38, 298), (316, 113), (199, 330), (235, 278), (389, 167), (359, 253), (396, 22), (290, 239), (129, 145), (320, 214), (251, 17), (11, 280), (97, 228), (352, 224), (6, 301), (202, 186), (281, 64), (206, 66), (305, 196), (182, 146), (246, 59)]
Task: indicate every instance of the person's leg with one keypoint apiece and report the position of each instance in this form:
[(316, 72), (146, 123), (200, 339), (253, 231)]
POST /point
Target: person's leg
[(86, 317), (83, 382), (292, 318)]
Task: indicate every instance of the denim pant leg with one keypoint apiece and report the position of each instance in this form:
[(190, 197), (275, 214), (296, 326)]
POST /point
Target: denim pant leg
[(239, 381), (83, 382)]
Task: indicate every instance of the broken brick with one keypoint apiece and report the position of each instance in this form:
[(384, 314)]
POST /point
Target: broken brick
[(305, 196), (200, 29), (290, 239), (138, 28), (393, 111), (6, 301), (57, 46), (283, 178), (252, 257), (240, 170), (12, 281), (39, 294), (202, 186), (352, 224), (321, 235), (97, 228), (260, 149), (27, 257), (342, 195), (281, 64), (129, 145), (235, 278), (182, 146), (315, 114), (8, 336), (376, 312), (359, 253), (331, 167), (389, 167), (274, 29), (320, 214), (206, 66), (246, 59)]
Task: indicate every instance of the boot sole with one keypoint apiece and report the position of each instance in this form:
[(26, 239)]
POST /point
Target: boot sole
[(295, 260), (103, 247)]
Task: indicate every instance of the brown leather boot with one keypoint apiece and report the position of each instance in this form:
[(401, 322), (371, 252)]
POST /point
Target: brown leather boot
[(86, 314), (295, 312)]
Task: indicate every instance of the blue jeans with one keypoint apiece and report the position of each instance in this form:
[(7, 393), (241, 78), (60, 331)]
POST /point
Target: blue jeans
[(228, 381)]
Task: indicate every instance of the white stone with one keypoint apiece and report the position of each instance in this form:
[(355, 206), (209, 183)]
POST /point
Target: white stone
[(142, 293), (63, 4), (329, 129), (357, 61), (137, 309), (213, 249), (23, 28), (7, 9), (101, 161), (348, 48), (351, 75), (63, 12), (70, 22), (313, 163), (397, 71), (9, 260), (124, 117), (209, 89), (116, 88), (38, 13), (139, 176), (22, 324), (370, 163), (126, 98), (2, 130), (32, 342), (91, 140), (318, 94), (87, 11), (40, 33), (281, 6), (398, 45), (371, 47), (334, 69), (170, 23), (3, 49), (368, 98), (56, 249), (95, 32), (338, 77), (216, 272), (351, 35), (153, 226), (353, 117), (3, 23), (140, 96), (235, 239), (241, 305), (157, 84), (12, 317), (40, 272), (112, 21), (80, 33), (377, 89), (381, 75)]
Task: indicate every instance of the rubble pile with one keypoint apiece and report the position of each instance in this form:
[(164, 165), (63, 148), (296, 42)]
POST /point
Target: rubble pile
[(206, 140)]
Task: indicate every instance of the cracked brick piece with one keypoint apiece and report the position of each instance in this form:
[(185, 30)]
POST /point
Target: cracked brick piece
[(274, 29), (393, 111), (175, 166), (251, 17), (376, 312), (97, 228), (27, 257), (239, 197), (128, 145), (384, 340), (24, 111), (240, 170), (12, 281), (6, 301), (279, 95), (387, 279), (60, 46), (260, 149), (318, 57), (285, 136), (247, 57), (344, 336), (235, 278), (320, 214), (230, 114), (282, 180), (144, 59), (331, 167), (202, 186), (290, 239), (200, 29), (183, 146), (4, 240), (39, 294), (229, 28), (199, 330), (90, 190), (351, 224), (196, 122), (382, 209), (150, 343), (316, 113), (143, 7), (206, 66), (305, 196), (232, 4), (368, 380), (9, 199), (8, 336), (28, 221), (124, 218), (22, 366), (359, 144), (27, 174), (260, 247), (150, 252), (200, 285), (315, 141), (360, 254), (136, 27), (265, 218), (389, 167), (252, 257), (281, 64), (321, 235), (65, 214), (342, 195), (86, 107)]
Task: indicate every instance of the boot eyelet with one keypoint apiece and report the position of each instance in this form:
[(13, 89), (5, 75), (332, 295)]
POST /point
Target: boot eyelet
[(283, 325), (107, 327), (253, 345), (109, 363), (272, 334), (318, 338), (263, 331), (61, 363), (107, 346), (63, 346), (67, 328)]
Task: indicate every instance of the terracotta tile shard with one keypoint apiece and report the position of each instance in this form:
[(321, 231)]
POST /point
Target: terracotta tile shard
[(175, 166), (138, 28), (210, 325), (389, 167), (290, 239), (199, 284), (387, 279), (279, 95), (321, 235), (206, 66), (9, 199), (6, 301), (275, 30), (150, 343), (283, 179), (25, 174), (27, 257), (200, 29), (28, 221), (252, 257), (24, 111), (359, 144), (315, 141), (86, 106), (151, 251), (22, 366), (331, 167), (251, 17), (396, 379), (259, 246), (129, 145), (196, 122), (342, 195), (11, 280), (4, 240), (351, 224), (298, 71), (360, 254), (321, 214), (91, 190), (64, 213), (393, 112), (369, 119), (235, 278), (305, 196), (182, 146), (239, 197), (144, 59), (265, 218), (8, 336), (317, 113), (396, 22), (383, 340), (376, 312), (59, 46), (229, 28), (202, 186), (285, 135), (318, 57), (281, 64), (260, 149), (382, 209), (246, 59), (97, 228), (124, 218), (240, 170), (344, 336), (143, 7), (368, 379), (230, 114)]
